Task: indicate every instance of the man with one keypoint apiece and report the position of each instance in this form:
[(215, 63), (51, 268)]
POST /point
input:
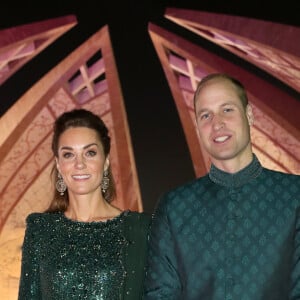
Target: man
[(234, 233)]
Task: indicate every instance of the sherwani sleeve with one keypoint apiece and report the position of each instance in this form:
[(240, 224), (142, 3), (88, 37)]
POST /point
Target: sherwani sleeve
[(162, 276), (29, 287), (295, 279)]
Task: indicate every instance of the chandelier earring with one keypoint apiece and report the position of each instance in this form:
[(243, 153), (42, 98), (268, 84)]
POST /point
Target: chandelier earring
[(60, 185), (105, 182)]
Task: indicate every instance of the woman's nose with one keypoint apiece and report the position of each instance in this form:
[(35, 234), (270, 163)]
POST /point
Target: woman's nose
[(80, 162)]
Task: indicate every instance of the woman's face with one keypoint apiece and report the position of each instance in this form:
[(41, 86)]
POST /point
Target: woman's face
[(81, 160)]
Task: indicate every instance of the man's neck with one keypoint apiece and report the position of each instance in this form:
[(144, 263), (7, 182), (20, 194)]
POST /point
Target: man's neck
[(233, 165)]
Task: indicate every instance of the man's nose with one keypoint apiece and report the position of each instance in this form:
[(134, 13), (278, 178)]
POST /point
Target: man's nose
[(218, 122)]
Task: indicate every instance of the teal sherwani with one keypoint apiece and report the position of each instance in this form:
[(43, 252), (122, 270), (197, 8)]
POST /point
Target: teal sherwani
[(227, 237)]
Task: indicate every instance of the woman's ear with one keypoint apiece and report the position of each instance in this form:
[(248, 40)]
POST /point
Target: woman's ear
[(57, 165), (106, 163), (249, 113)]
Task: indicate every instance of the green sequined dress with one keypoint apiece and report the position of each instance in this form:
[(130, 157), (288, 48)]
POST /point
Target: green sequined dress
[(64, 259), (227, 237)]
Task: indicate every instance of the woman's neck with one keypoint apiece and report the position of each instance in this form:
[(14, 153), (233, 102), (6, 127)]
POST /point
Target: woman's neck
[(88, 210)]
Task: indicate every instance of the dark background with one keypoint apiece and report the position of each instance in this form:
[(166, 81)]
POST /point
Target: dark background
[(160, 149)]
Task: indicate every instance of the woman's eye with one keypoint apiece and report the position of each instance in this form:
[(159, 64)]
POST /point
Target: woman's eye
[(91, 153), (67, 155)]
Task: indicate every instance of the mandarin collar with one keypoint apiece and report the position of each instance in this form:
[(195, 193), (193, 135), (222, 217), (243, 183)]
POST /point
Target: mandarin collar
[(234, 180)]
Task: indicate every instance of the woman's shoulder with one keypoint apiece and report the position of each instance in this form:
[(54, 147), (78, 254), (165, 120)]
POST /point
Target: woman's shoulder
[(37, 218), (138, 217), (137, 225), (137, 221)]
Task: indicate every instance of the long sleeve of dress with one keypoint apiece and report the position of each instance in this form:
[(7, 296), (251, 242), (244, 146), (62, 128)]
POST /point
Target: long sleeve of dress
[(162, 276), (136, 233), (29, 288)]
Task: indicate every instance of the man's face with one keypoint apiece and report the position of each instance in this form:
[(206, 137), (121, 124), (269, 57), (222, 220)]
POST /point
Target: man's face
[(223, 123)]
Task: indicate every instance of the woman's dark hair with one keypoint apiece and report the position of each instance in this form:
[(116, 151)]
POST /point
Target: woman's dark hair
[(72, 119)]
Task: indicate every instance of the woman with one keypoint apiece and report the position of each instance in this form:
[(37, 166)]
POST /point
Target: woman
[(83, 247)]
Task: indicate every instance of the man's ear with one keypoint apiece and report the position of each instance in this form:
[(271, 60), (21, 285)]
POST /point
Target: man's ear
[(249, 113)]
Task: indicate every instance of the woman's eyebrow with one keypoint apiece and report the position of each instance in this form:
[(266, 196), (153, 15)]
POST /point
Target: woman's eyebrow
[(85, 147)]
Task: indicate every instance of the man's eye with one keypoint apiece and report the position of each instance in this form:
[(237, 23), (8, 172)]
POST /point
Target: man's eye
[(204, 116), (228, 109)]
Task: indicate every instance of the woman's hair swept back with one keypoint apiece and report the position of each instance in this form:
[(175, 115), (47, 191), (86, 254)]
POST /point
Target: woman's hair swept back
[(72, 119), (241, 91), (80, 118)]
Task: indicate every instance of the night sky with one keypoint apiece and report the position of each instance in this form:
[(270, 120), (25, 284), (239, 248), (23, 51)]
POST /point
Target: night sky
[(161, 153)]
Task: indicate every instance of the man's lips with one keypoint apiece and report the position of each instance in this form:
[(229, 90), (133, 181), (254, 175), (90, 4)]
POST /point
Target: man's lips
[(221, 139)]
